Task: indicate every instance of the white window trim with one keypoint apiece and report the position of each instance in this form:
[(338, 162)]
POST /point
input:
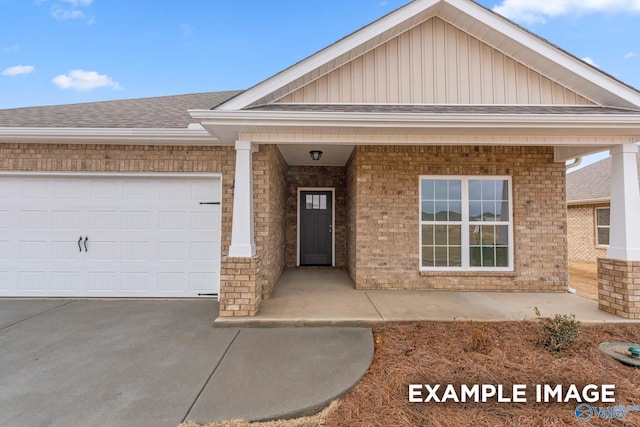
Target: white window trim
[(465, 223), (333, 221), (596, 227)]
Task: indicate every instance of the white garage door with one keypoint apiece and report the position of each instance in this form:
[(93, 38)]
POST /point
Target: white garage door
[(109, 236)]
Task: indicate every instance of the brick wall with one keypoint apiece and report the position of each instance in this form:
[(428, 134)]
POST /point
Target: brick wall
[(619, 287), (581, 233), (313, 176), (270, 196), (241, 294), (387, 218)]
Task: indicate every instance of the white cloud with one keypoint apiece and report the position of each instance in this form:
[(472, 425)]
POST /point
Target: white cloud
[(71, 9), (630, 55), (536, 11), (590, 61), (14, 48), (76, 3), (85, 81), (18, 70), (64, 14)]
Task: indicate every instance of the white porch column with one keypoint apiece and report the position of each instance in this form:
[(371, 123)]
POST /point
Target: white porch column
[(242, 240), (624, 240)]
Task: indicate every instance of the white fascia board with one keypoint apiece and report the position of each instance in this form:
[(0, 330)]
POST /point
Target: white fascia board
[(416, 120), (327, 54), (192, 135), (507, 28), (601, 201)]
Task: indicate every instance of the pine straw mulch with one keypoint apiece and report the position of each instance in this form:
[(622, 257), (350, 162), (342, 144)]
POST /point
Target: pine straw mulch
[(470, 353)]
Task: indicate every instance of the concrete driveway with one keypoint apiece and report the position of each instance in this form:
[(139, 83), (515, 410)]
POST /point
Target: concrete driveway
[(157, 363)]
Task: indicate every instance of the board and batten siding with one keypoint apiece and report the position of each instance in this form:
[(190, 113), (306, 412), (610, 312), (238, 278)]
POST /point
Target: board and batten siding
[(435, 63)]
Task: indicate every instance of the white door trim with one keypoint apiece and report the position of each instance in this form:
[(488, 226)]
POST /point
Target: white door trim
[(333, 221)]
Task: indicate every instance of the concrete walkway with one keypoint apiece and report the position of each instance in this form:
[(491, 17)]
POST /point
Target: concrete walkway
[(320, 297), (158, 363)]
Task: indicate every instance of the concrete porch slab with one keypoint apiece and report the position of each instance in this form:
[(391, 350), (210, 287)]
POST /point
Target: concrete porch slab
[(321, 297)]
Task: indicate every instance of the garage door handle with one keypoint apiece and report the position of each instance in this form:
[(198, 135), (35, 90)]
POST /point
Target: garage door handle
[(80, 241), (86, 239)]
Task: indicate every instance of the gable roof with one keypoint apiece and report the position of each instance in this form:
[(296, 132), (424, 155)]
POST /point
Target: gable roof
[(163, 112), (494, 30), (591, 183)]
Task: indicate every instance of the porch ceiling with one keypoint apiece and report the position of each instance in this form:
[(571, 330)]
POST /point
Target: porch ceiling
[(332, 155)]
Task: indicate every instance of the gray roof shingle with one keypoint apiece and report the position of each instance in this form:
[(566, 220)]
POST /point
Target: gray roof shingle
[(592, 182), (157, 112)]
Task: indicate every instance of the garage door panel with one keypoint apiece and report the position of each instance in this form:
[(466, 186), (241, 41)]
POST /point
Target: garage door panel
[(104, 220), (73, 190), (66, 220), (35, 220), (35, 189), (65, 282), (34, 282), (147, 236), (136, 220), (105, 189)]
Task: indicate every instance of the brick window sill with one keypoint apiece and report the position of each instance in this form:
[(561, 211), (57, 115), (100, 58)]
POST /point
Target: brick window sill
[(468, 274)]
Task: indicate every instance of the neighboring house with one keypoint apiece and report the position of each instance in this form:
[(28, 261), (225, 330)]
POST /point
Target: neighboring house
[(425, 151), (589, 211)]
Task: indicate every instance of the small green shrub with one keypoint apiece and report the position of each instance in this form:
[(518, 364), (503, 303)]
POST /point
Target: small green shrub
[(559, 332)]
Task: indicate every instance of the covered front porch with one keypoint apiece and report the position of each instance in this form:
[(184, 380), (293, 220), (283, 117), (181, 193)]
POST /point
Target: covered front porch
[(327, 297)]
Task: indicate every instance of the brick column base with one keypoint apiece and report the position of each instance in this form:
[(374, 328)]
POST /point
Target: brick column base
[(619, 287), (240, 286)]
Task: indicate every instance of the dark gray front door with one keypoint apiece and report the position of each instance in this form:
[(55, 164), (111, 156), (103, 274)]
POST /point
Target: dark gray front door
[(316, 228)]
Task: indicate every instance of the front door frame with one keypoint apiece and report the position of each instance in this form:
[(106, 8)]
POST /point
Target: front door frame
[(333, 221)]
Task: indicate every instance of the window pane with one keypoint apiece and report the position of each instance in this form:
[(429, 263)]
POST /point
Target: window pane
[(603, 216), (455, 235), (488, 235), (475, 254), (427, 235), (427, 256), (455, 256), (502, 235), (428, 211), (441, 257), (488, 190), (441, 235), (428, 186), (475, 236), (455, 190), (455, 211), (475, 211), (316, 201), (475, 190), (502, 257), (603, 236), (323, 202), (488, 259), (489, 211), (502, 210), (309, 201), (442, 191), (442, 210)]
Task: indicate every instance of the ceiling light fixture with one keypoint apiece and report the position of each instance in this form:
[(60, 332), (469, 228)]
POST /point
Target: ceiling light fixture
[(315, 155)]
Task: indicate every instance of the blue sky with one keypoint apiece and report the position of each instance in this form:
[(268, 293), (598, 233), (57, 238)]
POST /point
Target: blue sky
[(67, 51)]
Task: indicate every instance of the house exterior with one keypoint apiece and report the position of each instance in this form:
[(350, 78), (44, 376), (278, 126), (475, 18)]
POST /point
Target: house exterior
[(439, 136), (589, 211)]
